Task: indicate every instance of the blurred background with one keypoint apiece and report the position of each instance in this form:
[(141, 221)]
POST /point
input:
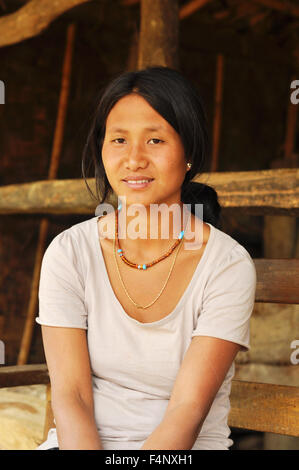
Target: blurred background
[(55, 57)]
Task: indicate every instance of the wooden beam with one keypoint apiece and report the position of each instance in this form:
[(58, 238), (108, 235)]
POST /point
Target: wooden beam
[(277, 280), (244, 10), (32, 19), (29, 374), (278, 5), (191, 7), (263, 372), (264, 407), (254, 192), (159, 30)]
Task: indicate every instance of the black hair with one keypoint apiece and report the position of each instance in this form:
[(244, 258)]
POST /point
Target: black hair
[(178, 102)]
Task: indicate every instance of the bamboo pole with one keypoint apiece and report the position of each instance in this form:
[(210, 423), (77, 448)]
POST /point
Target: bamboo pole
[(217, 112), (280, 231), (44, 224)]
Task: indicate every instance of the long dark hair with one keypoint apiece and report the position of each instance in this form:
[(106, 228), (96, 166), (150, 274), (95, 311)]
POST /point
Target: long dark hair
[(177, 101)]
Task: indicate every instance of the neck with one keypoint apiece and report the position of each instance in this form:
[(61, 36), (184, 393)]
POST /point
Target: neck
[(145, 233)]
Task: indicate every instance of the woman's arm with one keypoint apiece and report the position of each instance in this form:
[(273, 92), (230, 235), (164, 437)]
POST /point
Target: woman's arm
[(202, 372), (68, 363)]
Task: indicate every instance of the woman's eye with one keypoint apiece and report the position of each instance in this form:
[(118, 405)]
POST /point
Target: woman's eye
[(156, 141)]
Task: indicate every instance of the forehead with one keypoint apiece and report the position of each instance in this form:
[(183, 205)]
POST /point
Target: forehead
[(134, 109)]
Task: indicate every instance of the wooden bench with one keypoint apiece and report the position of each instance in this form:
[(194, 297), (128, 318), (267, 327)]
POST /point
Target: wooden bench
[(254, 406)]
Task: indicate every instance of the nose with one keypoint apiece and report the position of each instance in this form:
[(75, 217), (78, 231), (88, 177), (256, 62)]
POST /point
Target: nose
[(136, 157)]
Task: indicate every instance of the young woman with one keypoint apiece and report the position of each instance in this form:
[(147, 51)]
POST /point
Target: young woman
[(140, 333)]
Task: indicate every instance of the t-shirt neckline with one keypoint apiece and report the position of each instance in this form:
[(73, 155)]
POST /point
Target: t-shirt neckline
[(184, 295)]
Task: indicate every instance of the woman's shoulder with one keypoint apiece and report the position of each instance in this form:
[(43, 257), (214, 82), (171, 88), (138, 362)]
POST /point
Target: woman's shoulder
[(226, 249), (76, 232), (68, 245)]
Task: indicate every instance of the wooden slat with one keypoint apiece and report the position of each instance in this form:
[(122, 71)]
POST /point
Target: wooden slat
[(277, 280), (14, 376), (264, 407)]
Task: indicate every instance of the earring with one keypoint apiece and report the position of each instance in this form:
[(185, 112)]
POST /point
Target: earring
[(189, 165)]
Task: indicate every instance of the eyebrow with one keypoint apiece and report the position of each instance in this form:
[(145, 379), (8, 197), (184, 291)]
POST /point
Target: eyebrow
[(151, 129)]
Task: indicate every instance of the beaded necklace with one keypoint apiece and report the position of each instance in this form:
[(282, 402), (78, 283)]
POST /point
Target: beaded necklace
[(143, 266)]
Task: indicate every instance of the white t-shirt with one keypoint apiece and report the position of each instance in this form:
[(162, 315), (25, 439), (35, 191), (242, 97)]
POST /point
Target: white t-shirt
[(134, 364)]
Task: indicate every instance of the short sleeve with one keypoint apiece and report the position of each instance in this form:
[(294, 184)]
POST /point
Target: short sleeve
[(228, 299), (61, 287)]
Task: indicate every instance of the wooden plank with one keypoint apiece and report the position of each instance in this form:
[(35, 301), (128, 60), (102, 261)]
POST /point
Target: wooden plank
[(30, 374), (268, 373), (254, 192), (277, 280), (264, 407)]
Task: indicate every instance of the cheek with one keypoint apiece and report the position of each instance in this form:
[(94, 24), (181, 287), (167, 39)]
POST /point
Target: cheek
[(175, 167), (108, 158)]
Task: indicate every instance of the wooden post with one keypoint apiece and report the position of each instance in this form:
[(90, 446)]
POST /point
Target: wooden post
[(44, 224), (217, 112), (280, 231), (159, 31), (280, 242)]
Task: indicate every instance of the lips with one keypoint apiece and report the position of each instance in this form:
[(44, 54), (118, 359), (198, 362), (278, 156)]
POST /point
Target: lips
[(138, 183), (137, 178)]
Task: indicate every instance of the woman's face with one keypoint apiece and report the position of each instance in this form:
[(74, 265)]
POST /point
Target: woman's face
[(139, 142)]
